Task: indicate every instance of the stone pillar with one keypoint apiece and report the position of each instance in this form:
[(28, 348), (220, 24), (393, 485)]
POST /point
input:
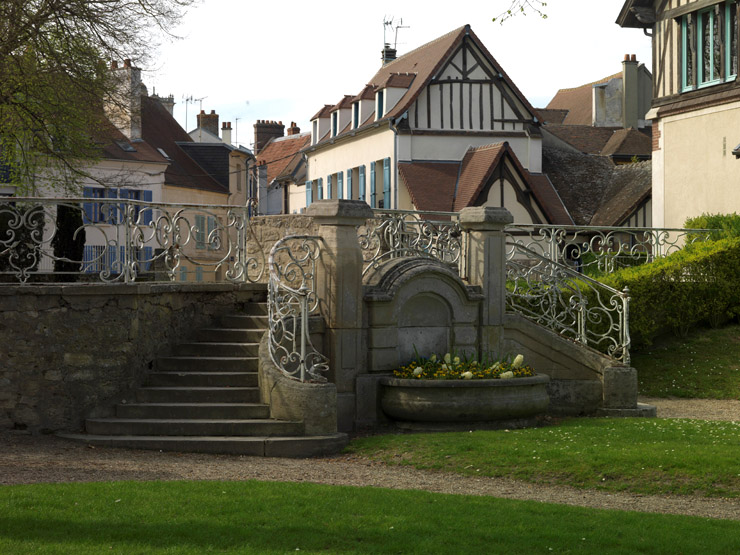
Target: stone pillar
[(486, 267), (339, 288)]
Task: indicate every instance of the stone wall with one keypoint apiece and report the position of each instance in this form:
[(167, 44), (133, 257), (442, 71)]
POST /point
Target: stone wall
[(267, 230), (68, 352)]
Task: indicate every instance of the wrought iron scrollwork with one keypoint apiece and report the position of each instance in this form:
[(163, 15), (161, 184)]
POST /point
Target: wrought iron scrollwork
[(292, 300)]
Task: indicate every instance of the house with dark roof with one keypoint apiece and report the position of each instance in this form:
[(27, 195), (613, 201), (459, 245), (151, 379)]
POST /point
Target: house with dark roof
[(439, 128), (696, 105)]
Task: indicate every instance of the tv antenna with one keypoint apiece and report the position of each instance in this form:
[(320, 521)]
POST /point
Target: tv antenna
[(389, 22), (190, 100)]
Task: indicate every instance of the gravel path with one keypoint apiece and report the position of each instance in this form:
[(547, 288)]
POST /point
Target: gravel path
[(28, 459)]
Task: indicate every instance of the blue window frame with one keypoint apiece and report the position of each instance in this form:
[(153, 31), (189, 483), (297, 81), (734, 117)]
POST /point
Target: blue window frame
[(373, 195), (387, 183), (309, 193), (329, 188), (340, 185), (349, 184), (362, 183)]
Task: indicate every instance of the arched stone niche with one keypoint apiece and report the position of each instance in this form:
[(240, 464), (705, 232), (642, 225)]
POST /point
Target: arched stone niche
[(415, 303)]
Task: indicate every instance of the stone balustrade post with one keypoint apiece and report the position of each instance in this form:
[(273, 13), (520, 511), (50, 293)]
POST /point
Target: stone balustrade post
[(339, 288), (486, 267)]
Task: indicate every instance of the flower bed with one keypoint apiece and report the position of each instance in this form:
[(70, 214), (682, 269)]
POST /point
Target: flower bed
[(449, 390)]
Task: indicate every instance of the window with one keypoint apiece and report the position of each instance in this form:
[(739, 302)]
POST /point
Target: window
[(114, 213), (206, 233), (708, 45), (379, 104), (238, 177), (355, 115), (334, 119)]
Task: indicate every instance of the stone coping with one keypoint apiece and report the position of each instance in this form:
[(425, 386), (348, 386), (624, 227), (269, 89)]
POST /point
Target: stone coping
[(409, 382), (126, 288)]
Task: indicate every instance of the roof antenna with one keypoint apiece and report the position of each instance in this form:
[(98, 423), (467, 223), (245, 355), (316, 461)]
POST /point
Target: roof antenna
[(389, 22)]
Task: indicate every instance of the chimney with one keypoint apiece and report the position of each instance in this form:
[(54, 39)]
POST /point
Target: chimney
[(208, 122), (293, 129), (388, 54), (630, 92), (167, 101), (264, 131), (226, 132), (124, 108)]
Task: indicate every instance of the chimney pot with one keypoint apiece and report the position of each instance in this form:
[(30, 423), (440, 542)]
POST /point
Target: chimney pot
[(127, 62), (626, 57), (633, 58), (114, 64)]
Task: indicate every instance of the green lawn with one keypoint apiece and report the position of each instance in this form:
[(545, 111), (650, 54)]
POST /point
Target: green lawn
[(651, 455), (704, 365), (254, 517)]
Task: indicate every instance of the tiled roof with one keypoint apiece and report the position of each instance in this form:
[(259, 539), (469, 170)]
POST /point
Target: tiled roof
[(212, 157), (452, 186), (161, 130), (552, 116), (282, 155), (578, 101), (626, 143), (324, 112), (417, 68), (630, 186), (431, 185), (346, 102), (113, 142), (595, 190), (585, 138)]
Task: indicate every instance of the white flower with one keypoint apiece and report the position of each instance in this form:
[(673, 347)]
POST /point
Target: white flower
[(507, 375), (418, 371), (433, 358), (456, 360), (518, 361), (448, 358), (467, 375)]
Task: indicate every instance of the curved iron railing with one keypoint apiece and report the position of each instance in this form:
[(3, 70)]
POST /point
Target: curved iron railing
[(396, 233), (567, 302), (292, 300), (601, 250), (125, 240)]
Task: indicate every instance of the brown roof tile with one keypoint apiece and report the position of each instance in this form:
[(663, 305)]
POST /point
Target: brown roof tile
[(477, 166), (585, 138), (112, 141), (431, 185), (630, 186), (280, 155), (578, 101), (552, 116), (626, 143)]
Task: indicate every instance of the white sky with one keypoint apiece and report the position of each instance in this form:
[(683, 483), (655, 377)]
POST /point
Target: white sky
[(284, 60)]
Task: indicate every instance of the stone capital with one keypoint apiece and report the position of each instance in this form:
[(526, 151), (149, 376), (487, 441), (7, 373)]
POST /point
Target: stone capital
[(485, 218), (339, 212)]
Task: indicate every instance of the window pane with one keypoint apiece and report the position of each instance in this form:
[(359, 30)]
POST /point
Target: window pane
[(716, 46), (733, 39), (706, 47), (688, 51)]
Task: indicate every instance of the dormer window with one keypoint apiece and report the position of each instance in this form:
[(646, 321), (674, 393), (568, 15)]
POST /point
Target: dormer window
[(379, 104), (334, 123), (315, 132)]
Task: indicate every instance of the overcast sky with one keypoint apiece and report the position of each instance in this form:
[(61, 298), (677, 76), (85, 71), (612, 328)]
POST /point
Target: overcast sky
[(284, 60)]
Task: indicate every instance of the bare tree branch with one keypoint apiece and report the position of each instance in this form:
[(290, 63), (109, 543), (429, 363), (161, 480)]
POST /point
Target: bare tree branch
[(522, 7)]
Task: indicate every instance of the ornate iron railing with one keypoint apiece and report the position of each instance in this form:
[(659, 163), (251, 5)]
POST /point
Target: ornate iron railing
[(125, 240), (292, 300), (396, 233), (567, 302), (601, 250)]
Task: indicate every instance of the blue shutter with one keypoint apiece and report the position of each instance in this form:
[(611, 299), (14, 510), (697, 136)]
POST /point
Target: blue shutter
[(121, 207), (88, 207), (321, 189), (183, 273), (349, 184), (309, 193), (373, 196), (111, 212), (328, 186), (200, 231), (340, 185), (146, 215), (199, 273), (387, 183), (362, 183)]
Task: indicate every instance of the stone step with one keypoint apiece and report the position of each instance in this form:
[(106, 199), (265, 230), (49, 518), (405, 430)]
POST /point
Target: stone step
[(192, 427), (198, 395), (229, 335), (245, 321), (296, 447), (256, 309), (206, 364), (195, 349), (193, 410), (203, 379)]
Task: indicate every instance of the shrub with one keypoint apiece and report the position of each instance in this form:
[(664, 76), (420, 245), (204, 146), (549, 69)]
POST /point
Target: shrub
[(725, 226)]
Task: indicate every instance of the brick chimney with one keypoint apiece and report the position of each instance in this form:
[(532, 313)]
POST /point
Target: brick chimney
[(208, 122), (124, 108), (226, 132), (293, 129), (630, 99), (264, 131), (388, 54)]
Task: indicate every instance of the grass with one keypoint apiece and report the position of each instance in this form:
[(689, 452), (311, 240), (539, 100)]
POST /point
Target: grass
[(704, 365), (254, 517), (651, 456)]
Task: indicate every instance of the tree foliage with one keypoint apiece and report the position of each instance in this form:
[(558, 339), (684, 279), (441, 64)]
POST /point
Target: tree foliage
[(54, 80), (522, 7)]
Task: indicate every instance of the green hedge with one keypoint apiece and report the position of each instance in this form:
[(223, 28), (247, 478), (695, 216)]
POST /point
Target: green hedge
[(699, 284), (726, 225)]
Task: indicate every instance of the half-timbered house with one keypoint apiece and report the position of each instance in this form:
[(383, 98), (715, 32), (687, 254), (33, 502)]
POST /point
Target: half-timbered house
[(442, 127), (696, 105)]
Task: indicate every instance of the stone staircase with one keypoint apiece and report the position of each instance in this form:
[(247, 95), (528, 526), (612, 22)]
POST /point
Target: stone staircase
[(205, 398)]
